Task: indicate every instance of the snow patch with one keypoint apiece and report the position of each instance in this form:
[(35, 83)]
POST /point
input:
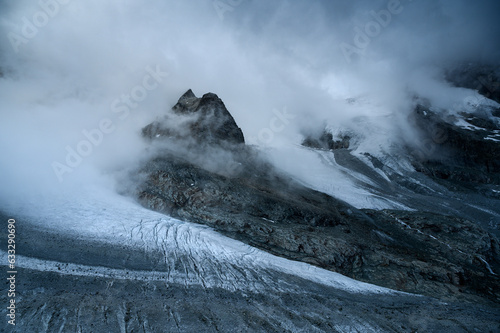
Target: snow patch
[(319, 171)]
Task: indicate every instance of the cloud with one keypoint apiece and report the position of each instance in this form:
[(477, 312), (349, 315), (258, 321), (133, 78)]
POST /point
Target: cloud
[(62, 78)]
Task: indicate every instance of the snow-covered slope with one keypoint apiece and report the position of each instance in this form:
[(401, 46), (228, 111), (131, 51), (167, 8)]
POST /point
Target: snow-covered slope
[(319, 170), (193, 254), (191, 278), (385, 170)]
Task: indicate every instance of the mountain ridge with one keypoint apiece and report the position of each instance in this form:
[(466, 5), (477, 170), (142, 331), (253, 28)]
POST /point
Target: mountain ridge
[(264, 208)]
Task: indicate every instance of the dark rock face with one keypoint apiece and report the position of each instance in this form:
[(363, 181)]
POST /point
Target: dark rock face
[(263, 209), (483, 78), (466, 155), (325, 141), (206, 120), (384, 248), (451, 252), (416, 252)]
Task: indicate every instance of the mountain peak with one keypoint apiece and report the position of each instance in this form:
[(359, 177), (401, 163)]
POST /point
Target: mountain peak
[(207, 120), (187, 95)]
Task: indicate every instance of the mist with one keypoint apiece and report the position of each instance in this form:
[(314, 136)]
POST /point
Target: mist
[(83, 77)]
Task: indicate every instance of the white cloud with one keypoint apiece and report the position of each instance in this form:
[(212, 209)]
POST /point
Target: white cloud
[(264, 56)]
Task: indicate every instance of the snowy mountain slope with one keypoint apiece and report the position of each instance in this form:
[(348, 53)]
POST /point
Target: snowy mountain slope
[(271, 201), (72, 245), (149, 272), (319, 170), (193, 254), (367, 182), (355, 137), (450, 167)]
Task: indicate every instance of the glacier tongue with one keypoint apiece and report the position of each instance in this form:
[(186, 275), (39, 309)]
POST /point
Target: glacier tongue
[(103, 263), (193, 254)]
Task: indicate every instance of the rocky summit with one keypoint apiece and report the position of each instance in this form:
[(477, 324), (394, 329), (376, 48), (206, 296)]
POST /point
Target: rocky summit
[(204, 120)]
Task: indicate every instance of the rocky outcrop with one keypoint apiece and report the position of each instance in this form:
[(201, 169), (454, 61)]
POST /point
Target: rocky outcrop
[(204, 120), (453, 253), (416, 252), (483, 78), (325, 141), (461, 149)]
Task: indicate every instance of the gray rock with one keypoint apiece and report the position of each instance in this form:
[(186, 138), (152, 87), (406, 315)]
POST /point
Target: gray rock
[(207, 121), (483, 78), (464, 158), (325, 141)]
